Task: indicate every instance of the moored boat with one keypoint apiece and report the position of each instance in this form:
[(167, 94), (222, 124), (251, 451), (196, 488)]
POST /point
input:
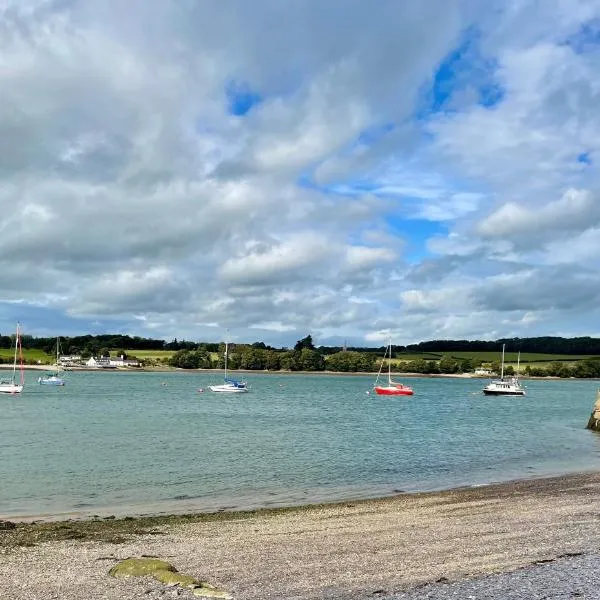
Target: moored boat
[(229, 385), (10, 386), (505, 386), (390, 388), (53, 377)]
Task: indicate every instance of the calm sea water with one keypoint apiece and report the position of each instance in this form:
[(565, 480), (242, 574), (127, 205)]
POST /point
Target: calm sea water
[(114, 443)]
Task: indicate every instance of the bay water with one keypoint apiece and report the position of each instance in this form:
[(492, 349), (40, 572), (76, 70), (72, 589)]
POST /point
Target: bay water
[(149, 442)]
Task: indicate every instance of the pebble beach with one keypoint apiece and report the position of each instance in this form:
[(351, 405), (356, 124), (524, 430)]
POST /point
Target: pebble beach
[(451, 544)]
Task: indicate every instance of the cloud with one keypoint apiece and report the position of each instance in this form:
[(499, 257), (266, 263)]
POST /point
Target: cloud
[(282, 169), (576, 210)]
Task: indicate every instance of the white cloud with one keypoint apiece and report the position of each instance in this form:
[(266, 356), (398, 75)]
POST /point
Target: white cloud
[(576, 210), (131, 196)]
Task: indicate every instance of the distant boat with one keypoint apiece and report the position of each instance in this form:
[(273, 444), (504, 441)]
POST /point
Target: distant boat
[(229, 385), (53, 377), (10, 386), (505, 387), (390, 388)]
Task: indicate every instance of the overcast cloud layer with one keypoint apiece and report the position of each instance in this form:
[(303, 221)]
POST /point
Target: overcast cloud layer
[(345, 168)]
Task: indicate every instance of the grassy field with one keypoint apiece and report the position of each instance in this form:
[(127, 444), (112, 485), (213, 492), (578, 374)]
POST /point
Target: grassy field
[(30, 356), (512, 356), (156, 354), (531, 358)]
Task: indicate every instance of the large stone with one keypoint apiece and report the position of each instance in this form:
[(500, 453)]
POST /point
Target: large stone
[(170, 578), (166, 573), (206, 591), (594, 422), (138, 567)]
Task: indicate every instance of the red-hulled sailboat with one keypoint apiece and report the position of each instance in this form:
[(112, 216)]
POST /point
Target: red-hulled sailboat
[(390, 388)]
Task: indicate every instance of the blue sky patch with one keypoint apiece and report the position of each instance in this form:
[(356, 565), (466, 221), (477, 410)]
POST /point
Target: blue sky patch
[(416, 232), (586, 39), (464, 69), (241, 98), (584, 158)]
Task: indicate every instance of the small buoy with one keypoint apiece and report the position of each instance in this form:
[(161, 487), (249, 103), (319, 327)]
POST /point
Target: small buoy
[(367, 392), (200, 390)]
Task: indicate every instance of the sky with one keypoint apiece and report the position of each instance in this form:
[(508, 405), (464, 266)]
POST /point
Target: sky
[(347, 169)]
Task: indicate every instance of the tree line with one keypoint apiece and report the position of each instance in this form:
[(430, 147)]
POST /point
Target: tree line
[(92, 344), (304, 357), (541, 345)]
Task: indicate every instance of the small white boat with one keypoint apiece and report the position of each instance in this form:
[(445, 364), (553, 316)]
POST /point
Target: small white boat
[(505, 387), (10, 386), (229, 385), (53, 378)]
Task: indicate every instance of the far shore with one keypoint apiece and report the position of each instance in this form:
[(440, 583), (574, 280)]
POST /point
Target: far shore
[(167, 369), (350, 550)]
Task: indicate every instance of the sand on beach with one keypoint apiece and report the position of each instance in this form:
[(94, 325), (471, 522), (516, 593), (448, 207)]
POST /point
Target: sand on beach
[(344, 551)]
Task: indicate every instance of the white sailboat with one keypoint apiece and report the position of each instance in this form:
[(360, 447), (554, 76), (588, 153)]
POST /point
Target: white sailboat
[(229, 385), (53, 377), (10, 386), (505, 387)]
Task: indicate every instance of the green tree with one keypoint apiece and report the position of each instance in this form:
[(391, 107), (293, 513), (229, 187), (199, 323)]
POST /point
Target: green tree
[(289, 360), (306, 342), (310, 360), (272, 362), (467, 366), (417, 366), (448, 364), (252, 358)]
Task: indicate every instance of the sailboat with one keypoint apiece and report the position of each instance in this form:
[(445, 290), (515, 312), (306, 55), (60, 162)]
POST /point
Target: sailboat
[(229, 385), (10, 386), (505, 387), (390, 388), (53, 377)]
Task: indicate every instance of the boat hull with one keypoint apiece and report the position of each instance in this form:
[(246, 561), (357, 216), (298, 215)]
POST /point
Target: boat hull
[(227, 389), (51, 381), (10, 388), (393, 391), (501, 393)]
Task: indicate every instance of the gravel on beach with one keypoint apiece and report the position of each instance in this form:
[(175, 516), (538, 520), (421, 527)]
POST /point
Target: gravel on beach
[(565, 578), (394, 548)]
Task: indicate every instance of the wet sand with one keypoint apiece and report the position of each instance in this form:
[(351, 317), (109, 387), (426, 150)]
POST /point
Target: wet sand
[(351, 550)]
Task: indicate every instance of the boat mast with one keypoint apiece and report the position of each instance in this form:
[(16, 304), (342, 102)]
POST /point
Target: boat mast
[(16, 350), (502, 368), (518, 363), (226, 347), (21, 356), (390, 363)]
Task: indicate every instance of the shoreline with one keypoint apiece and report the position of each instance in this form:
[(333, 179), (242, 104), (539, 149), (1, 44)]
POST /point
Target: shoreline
[(342, 551), (8, 367), (128, 512), (192, 508)]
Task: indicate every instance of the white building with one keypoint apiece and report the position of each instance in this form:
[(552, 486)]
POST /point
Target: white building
[(484, 372), (69, 360), (99, 363), (123, 362)]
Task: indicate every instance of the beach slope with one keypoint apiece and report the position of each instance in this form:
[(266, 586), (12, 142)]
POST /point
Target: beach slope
[(356, 550)]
